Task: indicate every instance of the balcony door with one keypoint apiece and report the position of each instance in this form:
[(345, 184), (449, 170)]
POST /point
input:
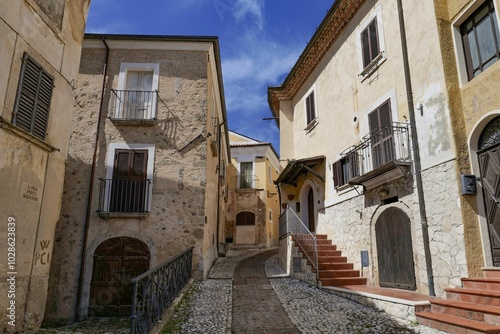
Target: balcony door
[(382, 140), (138, 97), (128, 186), (246, 174)]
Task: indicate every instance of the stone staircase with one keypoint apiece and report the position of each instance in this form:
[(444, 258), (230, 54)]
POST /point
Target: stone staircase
[(474, 308), (334, 270)]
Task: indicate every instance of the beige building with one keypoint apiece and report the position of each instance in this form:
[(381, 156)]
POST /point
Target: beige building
[(40, 44), (346, 113), (146, 166), (253, 206)]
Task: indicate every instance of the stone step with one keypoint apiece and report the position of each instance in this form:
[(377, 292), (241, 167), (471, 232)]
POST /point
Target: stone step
[(327, 247), (485, 297), (332, 259), (491, 272), (452, 324), (335, 266), (340, 281), (338, 273), (482, 283), (329, 253), (472, 311)]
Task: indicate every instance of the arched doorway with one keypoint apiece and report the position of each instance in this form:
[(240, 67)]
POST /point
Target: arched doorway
[(489, 166), (394, 250), (116, 262), (245, 228)]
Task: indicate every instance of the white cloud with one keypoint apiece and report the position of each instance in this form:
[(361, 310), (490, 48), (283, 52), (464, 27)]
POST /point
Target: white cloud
[(244, 9)]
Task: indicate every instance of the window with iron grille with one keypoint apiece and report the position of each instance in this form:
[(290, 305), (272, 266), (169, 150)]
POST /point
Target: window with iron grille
[(369, 43), (34, 94), (481, 39)]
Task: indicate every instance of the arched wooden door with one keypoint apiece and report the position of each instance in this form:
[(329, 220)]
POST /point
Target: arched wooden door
[(310, 211), (116, 262), (489, 164), (394, 250)]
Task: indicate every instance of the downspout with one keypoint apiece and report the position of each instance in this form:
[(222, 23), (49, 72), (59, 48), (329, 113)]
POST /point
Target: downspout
[(416, 153), (219, 141), (91, 189)]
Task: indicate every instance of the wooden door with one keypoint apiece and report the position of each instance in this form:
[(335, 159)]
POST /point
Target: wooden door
[(382, 140), (489, 163), (394, 250), (310, 211), (116, 262)]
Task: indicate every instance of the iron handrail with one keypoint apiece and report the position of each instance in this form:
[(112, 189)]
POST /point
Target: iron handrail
[(125, 196), (291, 224), (156, 289), (133, 105)]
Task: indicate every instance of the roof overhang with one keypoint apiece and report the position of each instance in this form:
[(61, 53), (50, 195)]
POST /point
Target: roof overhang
[(296, 168), (391, 171)]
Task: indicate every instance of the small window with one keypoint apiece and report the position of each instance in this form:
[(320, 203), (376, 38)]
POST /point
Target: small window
[(369, 43), (270, 174), (270, 215), (245, 218), (34, 94), (310, 108), (481, 39)]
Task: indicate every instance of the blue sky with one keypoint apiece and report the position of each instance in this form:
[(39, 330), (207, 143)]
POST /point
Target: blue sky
[(260, 41)]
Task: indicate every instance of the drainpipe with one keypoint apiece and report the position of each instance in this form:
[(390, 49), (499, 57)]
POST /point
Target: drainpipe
[(416, 153), (219, 141), (91, 189)]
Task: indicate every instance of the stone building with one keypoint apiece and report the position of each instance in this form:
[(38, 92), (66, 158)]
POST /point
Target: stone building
[(146, 166), (253, 206), (352, 110), (40, 45)]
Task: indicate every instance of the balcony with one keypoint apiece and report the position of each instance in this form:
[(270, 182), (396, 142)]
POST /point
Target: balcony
[(247, 181), (381, 156), (129, 107), (124, 198)]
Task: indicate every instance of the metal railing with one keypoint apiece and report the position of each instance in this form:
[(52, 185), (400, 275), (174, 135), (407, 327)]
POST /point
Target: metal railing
[(125, 196), (247, 181), (377, 148), (291, 224), (155, 290), (133, 105)]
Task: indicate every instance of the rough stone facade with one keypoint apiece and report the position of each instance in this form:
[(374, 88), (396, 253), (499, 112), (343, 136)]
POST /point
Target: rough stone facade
[(32, 164), (184, 180)]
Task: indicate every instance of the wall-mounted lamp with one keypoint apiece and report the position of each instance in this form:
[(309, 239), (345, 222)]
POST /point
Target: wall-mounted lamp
[(383, 192)]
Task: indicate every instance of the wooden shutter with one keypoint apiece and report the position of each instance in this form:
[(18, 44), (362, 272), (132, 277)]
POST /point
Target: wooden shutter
[(381, 135), (337, 174), (310, 108), (369, 43), (31, 111)]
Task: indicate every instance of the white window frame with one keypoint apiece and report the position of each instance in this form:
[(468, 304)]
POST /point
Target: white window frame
[(365, 72), (314, 121), (110, 163), (138, 67), (457, 38)]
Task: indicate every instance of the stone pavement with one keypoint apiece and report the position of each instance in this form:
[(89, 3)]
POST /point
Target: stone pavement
[(238, 298)]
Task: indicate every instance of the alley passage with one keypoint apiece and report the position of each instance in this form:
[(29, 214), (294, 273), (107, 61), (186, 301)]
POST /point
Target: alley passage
[(256, 308)]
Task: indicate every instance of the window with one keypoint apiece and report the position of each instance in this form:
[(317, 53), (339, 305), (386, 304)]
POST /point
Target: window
[(310, 108), (135, 98), (246, 174), (270, 215), (381, 137), (270, 174), (34, 94), (128, 184), (345, 169), (481, 39), (369, 43), (245, 218)]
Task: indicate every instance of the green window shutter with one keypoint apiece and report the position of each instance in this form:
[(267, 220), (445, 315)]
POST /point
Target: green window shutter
[(31, 111)]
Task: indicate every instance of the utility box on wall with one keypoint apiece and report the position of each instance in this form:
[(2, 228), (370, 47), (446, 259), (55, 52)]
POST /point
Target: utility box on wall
[(468, 184)]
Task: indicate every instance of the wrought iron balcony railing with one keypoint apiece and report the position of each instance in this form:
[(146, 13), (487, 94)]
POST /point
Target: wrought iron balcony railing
[(376, 151), (130, 105), (247, 181), (124, 196)]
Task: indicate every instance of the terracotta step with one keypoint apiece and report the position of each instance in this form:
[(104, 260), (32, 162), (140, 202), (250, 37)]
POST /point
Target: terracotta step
[(324, 242), (340, 281), (335, 266), (327, 247), (332, 259), (309, 248), (472, 311), (329, 253), (338, 273), (491, 272), (485, 297), (321, 236), (452, 324), (483, 283)]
